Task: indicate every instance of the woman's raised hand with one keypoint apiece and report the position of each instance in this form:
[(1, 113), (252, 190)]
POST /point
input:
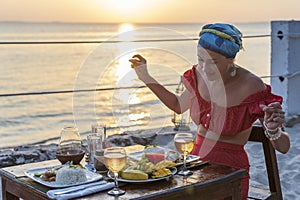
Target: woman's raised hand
[(274, 116), (139, 64), (137, 60)]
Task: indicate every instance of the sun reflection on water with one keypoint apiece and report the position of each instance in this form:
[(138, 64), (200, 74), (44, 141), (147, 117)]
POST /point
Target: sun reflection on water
[(123, 68), (126, 49), (129, 109), (138, 116), (126, 27)]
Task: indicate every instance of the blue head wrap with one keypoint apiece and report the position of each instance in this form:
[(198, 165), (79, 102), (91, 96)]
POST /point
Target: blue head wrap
[(221, 38)]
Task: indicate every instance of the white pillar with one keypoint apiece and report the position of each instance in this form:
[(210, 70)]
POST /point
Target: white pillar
[(285, 60)]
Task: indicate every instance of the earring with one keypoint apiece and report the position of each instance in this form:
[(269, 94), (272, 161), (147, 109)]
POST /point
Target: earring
[(232, 70)]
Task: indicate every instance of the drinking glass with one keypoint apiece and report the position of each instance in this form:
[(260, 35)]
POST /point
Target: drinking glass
[(184, 143), (70, 139), (99, 129), (115, 159), (95, 142)]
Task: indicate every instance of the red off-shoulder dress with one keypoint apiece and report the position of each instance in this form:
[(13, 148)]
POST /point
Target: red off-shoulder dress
[(226, 122)]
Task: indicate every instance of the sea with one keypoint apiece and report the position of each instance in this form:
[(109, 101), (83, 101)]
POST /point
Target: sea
[(59, 74)]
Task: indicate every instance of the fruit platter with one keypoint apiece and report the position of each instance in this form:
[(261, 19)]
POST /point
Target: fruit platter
[(151, 166)]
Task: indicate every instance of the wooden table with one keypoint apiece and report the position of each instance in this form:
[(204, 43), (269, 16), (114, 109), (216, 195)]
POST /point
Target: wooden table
[(207, 182)]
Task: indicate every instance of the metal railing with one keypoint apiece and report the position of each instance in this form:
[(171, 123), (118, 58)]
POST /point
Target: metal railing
[(281, 77)]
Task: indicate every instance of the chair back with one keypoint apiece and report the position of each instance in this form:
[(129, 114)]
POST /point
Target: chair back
[(257, 135)]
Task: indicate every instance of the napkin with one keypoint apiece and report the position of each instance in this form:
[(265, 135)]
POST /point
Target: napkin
[(79, 191)]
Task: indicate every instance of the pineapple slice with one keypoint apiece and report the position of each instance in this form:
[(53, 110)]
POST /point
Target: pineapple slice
[(161, 173)]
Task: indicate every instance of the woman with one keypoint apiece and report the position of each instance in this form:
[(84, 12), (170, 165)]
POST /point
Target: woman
[(224, 100)]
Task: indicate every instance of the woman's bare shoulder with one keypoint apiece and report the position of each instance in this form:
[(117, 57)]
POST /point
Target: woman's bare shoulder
[(252, 83)]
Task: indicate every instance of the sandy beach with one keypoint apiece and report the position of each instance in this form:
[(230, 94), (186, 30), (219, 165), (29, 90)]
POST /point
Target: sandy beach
[(289, 165)]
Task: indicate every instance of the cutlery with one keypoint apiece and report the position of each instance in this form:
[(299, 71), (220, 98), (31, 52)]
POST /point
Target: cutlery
[(76, 188), (196, 164)]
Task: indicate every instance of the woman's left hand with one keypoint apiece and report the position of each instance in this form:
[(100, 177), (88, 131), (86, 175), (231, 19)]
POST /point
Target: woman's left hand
[(274, 116)]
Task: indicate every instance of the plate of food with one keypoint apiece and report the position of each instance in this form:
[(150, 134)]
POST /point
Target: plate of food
[(150, 167), (137, 176), (61, 176)]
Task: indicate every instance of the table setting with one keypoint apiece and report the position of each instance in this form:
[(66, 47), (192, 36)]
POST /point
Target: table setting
[(104, 167)]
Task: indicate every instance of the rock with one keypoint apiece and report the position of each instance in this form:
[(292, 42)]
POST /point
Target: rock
[(6, 161), (20, 160), (6, 152), (27, 154)]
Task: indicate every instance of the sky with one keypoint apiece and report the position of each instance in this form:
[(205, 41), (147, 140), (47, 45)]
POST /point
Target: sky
[(149, 11)]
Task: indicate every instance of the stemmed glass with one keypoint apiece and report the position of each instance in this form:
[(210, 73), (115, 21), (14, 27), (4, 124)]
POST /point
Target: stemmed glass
[(115, 160), (184, 143), (70, 140)]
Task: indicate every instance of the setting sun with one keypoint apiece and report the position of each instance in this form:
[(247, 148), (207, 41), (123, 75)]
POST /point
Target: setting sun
[(125, 28), (146, 11)]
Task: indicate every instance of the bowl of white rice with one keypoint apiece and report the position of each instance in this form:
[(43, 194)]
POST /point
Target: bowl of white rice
[(70, 175)]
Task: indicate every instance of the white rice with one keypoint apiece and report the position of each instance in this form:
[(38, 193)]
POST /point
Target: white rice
[(68, 176)]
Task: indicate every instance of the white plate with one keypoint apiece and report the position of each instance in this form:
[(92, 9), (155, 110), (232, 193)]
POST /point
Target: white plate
[(91, 177), (173, 170)]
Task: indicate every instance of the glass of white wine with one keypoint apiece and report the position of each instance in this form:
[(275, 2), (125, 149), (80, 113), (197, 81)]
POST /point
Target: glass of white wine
[(115, 160), (184, 143)]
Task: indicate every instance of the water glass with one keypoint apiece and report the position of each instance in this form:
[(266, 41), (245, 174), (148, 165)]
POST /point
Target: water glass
[(99, 129), (96, 139), (94, 143)]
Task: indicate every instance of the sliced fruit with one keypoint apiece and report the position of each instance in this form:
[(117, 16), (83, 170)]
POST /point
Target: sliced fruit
[(165, 164), (134, 175), (161, 173), (155, 157)]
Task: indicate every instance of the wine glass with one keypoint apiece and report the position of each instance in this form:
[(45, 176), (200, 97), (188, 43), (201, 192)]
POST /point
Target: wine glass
[(70, 139), (115, 160), (70, 146), (184, 143)]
